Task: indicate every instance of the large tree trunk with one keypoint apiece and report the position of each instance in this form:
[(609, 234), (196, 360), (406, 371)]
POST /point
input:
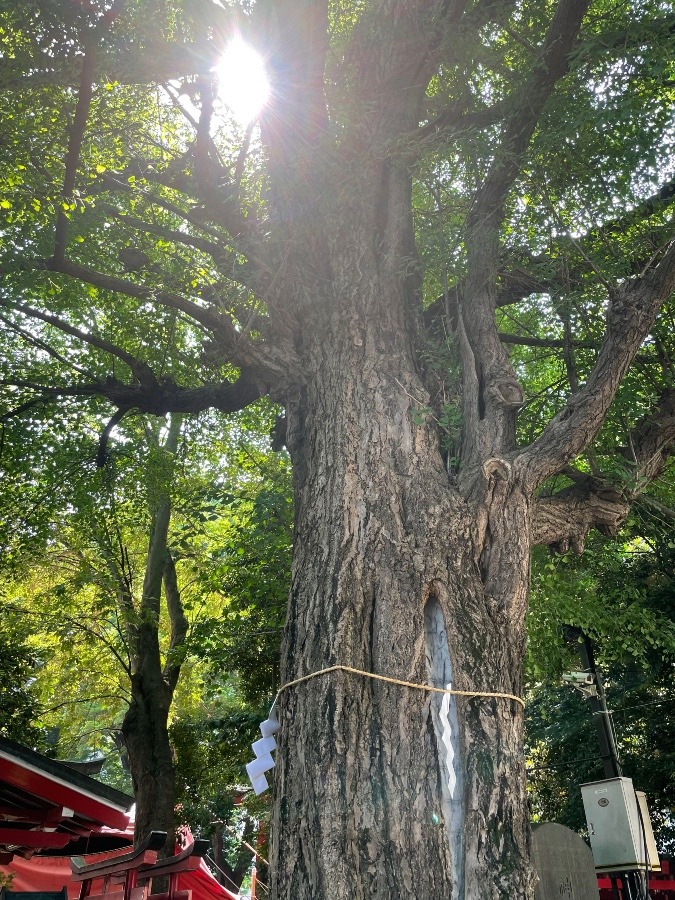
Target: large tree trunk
[(385, 791)]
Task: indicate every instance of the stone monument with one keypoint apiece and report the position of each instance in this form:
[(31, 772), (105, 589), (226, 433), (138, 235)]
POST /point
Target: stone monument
[(564, 864)]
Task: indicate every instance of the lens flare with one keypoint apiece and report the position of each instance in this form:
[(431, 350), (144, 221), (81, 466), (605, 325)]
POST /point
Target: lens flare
[(242, 81)]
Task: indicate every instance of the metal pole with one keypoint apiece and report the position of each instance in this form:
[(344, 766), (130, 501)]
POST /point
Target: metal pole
[(608, 748), (603, 723)]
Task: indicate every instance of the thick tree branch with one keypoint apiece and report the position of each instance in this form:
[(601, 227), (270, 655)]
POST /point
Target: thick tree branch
[(209, 319), (458, 119), (101, 453), (657, 202), (630, 316), (530, 341), (178, 620), (274, 362), (204, 166), (546, 274), (492, 393), (165, 398), (175, 98), (514, 286), (564, 519), (550, 67), (75, 141), (141, 370), (161, 518), (239, 349), (651, 442), (169, 397)]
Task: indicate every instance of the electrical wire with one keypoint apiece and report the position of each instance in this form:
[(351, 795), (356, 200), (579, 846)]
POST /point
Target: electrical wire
[(646, 703)]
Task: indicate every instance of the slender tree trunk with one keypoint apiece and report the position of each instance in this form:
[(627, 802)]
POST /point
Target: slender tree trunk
[(383, 791), (146, 738), (145, 725), (227, 875)]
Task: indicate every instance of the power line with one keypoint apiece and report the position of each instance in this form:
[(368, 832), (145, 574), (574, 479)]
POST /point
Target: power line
[(562, 765), (646, 703)]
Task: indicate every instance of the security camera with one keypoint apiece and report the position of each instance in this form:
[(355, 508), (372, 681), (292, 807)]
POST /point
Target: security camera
[(579, 679), (584, 682)]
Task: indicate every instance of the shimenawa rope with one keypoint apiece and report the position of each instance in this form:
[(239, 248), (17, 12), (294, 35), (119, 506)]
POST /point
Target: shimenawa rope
[(409, 684)]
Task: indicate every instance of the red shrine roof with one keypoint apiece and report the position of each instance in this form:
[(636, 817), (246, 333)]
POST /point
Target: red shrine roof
[(47, 807)]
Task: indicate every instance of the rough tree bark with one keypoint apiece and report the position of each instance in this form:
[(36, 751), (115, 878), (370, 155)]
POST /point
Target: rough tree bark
[(382, 791), (400, 568), (385, 791)]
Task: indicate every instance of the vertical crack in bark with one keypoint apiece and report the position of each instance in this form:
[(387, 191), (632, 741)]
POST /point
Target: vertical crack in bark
[(446, 729)]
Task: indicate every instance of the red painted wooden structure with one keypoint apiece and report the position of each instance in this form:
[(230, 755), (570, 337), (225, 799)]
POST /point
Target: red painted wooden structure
[(131, 874), (661, 884), (45, 805), (50, 811), (50, 873)]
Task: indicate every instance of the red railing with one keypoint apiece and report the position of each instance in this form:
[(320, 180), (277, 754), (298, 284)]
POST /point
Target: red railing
[(120, 872), (661, 884)]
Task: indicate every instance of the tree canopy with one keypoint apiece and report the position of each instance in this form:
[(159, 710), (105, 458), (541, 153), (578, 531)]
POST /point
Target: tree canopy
[(446, 250)]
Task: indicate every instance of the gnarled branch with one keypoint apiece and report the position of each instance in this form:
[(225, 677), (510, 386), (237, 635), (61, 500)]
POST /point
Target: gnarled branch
[(564, 519), (630, 316)]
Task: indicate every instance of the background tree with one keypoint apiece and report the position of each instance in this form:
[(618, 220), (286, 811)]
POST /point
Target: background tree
[(524, 150), (93, 572), (623, 595), (229, 540), (19, 701)]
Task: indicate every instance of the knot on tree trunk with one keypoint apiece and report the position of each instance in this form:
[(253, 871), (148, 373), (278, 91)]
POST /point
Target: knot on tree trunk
[(496, 468), (506, 393)]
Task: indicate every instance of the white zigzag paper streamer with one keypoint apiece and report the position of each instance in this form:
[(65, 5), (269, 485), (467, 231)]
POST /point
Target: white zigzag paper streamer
[(263, 750), (446, 738)]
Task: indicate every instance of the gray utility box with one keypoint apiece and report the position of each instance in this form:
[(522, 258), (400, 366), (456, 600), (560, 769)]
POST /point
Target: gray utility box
[(615, 826)]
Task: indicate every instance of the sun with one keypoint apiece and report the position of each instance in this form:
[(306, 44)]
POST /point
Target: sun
[(242, 81)]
